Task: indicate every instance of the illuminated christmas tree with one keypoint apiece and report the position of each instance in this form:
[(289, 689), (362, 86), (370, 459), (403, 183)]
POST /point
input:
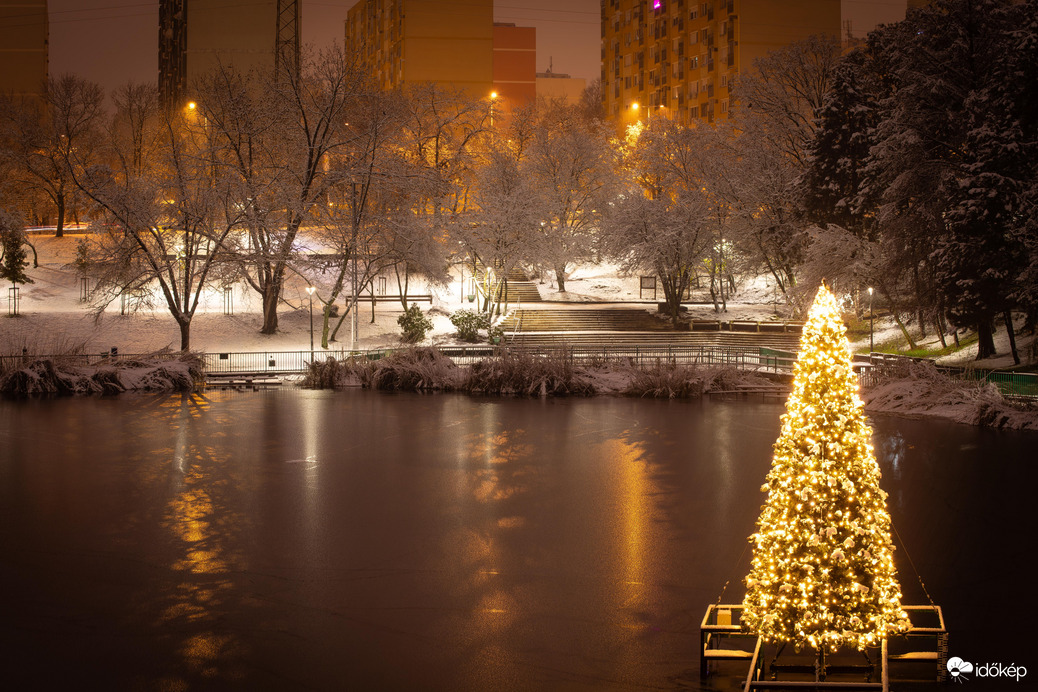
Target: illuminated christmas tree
[(823, 570)]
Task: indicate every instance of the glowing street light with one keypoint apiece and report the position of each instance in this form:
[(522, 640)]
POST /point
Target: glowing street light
[(310, 291)]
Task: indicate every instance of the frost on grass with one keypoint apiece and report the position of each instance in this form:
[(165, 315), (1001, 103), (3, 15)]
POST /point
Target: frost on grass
[(920, 389)]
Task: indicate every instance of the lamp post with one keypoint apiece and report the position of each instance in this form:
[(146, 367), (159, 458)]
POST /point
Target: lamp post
[(871, 323), (310, 292)]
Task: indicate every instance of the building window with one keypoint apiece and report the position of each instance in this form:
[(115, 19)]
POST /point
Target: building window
[(724, 105), (693, 37), (693, 111), (694, 12), (693, 62)]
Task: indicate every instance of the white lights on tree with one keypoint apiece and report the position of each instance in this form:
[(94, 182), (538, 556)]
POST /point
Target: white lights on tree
[(823, 571)]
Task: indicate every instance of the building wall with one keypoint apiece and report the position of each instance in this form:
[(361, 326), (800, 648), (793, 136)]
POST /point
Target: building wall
[(23, 46), (448, 42), (677, 58), (515, 64), (197, 36), (560, 86), (228, 33)]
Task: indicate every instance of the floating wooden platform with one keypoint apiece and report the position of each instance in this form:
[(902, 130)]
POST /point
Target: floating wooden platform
[(919, 655)]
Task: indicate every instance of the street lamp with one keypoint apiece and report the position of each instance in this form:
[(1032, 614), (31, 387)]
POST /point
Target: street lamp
[(310, 292), (871, 323)]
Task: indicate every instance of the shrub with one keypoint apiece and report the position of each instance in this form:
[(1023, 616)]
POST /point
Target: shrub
[(331, 373), (665, 381), (414, 324), (468, 324), (518, 372), (416, 369)]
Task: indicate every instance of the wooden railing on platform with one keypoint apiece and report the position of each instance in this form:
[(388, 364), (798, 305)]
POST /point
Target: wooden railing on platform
[(923, 647)]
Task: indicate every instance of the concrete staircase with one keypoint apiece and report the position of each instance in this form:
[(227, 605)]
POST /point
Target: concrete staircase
[(598, 327), (521, 290)]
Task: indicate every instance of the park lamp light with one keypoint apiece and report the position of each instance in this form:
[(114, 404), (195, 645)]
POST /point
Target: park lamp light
[(872, 319), (310, 292)]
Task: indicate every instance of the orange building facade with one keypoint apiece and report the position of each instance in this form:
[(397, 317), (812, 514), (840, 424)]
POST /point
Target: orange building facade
[(515, 64), (678, 58), (24, 30)]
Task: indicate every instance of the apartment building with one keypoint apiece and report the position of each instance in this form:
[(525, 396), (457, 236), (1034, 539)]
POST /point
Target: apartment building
[(678, 58), (447, 42), (196, 36), (23, 46)]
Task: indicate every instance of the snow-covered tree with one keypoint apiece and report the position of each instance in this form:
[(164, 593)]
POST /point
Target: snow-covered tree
[(665, 219), (168, 210), (38, 136), (570, 165), (277, 134), (13, 258), (823, 573)]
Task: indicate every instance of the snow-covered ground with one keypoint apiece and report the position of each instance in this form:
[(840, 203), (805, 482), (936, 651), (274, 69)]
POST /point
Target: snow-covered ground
[(54, 319)]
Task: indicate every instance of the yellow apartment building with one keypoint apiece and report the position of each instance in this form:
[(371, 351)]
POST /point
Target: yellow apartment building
[(678, 58), (447, 42), (197, 36)]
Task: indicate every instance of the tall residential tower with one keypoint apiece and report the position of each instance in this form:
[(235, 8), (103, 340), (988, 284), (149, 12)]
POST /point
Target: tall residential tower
[(196, 36), (679, 58), (412, 41)]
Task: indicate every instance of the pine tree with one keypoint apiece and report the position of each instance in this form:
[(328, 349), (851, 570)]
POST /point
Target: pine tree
[(823, 572), (13, 258)]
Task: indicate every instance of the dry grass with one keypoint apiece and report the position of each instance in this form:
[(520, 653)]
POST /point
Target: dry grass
[(413, 370), (331, 373), (525, 374), (24, 376)]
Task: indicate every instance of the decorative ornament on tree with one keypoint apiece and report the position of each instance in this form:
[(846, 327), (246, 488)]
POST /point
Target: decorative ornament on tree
[(823, 570)]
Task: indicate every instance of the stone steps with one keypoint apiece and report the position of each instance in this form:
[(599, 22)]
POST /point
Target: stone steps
[(593, 339)]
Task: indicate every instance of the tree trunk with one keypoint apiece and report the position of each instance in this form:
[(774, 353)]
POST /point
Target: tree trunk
[(560, 278), (985, 340), (1012, 337), (185, 332), (270, 307), (59, 229), (940, 327)]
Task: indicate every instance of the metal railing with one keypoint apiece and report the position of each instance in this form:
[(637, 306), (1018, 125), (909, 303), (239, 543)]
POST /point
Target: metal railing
[(291, 362), (760, 359)]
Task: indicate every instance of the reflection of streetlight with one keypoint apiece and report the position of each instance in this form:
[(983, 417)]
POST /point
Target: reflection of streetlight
[(493, 97), (310, 291), (871, 322)]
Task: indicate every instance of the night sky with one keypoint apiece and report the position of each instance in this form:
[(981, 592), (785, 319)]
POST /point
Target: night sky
[(115, 41)]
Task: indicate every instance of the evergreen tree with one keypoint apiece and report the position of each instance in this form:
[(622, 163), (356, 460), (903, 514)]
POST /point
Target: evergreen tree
[(13, 258), (823, 571)]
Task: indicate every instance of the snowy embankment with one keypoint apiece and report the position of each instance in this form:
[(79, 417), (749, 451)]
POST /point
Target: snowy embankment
[(58, 376), (920, 390)]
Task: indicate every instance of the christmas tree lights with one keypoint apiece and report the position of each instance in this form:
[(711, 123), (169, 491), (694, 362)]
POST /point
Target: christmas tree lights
[(823, 571)]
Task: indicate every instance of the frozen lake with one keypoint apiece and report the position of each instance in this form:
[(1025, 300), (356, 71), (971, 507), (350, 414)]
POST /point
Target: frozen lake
[(289, 539)]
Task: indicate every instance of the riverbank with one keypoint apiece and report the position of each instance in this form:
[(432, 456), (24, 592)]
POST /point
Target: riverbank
[(915, 390)]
